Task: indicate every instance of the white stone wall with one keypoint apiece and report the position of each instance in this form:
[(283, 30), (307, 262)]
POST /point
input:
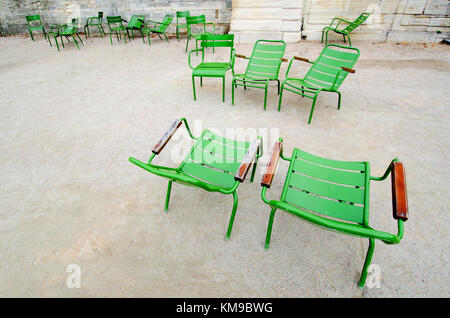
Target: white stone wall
[(390, 20)]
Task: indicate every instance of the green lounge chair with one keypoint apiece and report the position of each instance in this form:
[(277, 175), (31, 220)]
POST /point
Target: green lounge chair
[(136, 23), (212, 69), (35, 23), (263, 66), (334, 195), (157, 28), (69, 30), (94, 21), (115, 25), (181, 15), (344, 31), (326, 74), (196, 27), (213, 164)]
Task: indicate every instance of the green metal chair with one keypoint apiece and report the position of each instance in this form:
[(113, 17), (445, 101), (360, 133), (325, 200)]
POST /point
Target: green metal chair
[(157, 28), (212, 69), (2, 32), (327, 73), (263, 66), (196, 27), (181, 15), (94, 21), (344, 31), (136, 23), (334, 195), (69, 30), (214, 164), (35, 23), (115, 25)]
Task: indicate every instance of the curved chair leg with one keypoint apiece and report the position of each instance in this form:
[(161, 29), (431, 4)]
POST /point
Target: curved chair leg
[(265, 95), (75, 40), (339, 99), (187, 43), (278, 82), (223, 89), (312, 107), (326, 37), (166, 205), (201, 81), (349, 42), (85, 31), (193, 87), (233, 213), (178, 34), (369, 255), (233, 82), (80, 39), (269, 228), (323, 31), (281, 96)]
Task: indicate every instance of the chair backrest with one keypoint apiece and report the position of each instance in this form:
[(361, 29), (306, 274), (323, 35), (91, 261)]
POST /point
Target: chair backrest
[(218, 40), (114, 20), (31, 18), (100, 15), (165, 23), (182, 14), (356, 23), (192, 21), (324, 70), (136, 21), (265, 60)]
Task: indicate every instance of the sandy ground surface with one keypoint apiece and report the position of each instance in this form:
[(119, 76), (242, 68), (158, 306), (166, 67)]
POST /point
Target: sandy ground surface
[(70, 120)]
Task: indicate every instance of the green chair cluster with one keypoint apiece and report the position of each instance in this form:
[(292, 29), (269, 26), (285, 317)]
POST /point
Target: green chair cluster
[(329, 193)]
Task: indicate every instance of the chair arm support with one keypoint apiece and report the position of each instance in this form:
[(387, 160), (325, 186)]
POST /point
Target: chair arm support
[(166, 137), (399, 195), (350, 70), (248, 159), (189, 57), (298, 58), (241, 56), (272, 165)]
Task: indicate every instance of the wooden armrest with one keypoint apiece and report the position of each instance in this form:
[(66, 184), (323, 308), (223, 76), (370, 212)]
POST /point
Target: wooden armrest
[(165, 139), (301, 59), (241, 56), (350, 70), (272, 165), (247, 162), (399, 195), (284, 59)]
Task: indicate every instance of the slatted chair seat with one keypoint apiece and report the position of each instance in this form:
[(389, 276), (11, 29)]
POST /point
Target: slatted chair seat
[(214, 163), (351, 25), (263, 66), (327, 73), (335, 195)]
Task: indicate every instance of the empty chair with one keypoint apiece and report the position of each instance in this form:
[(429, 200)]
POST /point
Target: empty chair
[(35, 23), (137, 21), (345, 31), (327, 73), (214, 164), (196, 27), (115, 26), (212, 69), (335, 196), (262, 68), (181, 15), (94, 21), (157, 28)]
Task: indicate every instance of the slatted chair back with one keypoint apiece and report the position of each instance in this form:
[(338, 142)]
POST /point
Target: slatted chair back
[(165, 23), (196, 22), (112, 20), (323, 72), (335, 189), (182, 15), (356, 23), (34, 20), (136, 21), (265, 61)]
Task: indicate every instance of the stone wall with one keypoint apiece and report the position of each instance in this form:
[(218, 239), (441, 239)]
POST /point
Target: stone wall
[(390, 20), (13, 12)]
